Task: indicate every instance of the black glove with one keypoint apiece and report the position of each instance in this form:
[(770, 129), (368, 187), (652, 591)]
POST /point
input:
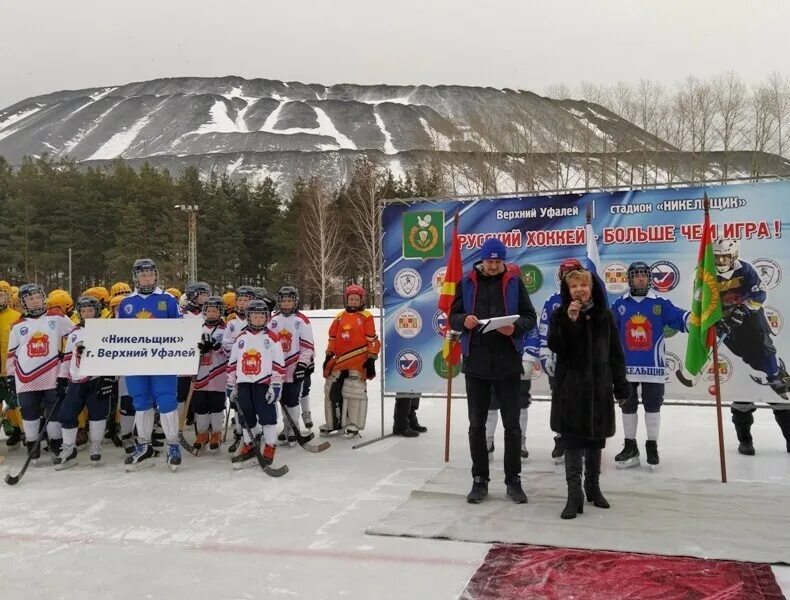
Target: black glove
[(105, 386), (310, 368), (216, 345), (60, 388), (300, 372), (10, 383), (79, 349), (370, 368), (206, 343), (737, 316), (329, 357)]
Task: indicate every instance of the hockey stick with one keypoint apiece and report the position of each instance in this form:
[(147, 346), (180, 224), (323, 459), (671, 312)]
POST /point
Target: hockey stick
[(303, 440), (268, 469), (227, 421), (181, 439), (681, 375), (14, 479)]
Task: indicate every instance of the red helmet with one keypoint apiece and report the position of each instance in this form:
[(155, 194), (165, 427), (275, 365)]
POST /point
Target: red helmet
[(566, 266), (354, 289)]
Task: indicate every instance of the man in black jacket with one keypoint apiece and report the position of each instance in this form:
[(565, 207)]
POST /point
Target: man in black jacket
[(492, 360)]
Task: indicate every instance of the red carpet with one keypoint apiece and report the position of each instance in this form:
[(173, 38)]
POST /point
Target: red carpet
[(532, 572)]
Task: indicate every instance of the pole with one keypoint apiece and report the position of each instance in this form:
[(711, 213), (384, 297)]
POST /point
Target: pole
[(192, 257), (717, 385), (449, 400), (70, 287)]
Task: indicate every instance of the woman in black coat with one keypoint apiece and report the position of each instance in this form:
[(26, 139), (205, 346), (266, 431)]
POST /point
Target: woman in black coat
[(589, 374)]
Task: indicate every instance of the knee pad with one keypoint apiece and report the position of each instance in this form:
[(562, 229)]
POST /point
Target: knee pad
[(355, 402), (333, 399)]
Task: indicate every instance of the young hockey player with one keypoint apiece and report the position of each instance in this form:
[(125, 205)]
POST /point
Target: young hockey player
[(745, 331), (12, 424), (208, 397), (349, 363), (194, 298), (295, 333), (93, 392), (529, 357), (641, 318), (103, 296), (148, 301), (60, 302), (34, 358), (244, 295), (256, 369), (547, 357)]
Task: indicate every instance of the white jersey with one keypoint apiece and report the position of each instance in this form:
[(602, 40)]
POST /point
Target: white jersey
[(70, 366), (34, 351), (296, 338), (212, 371), (256, 357), (232, 330), (188, 314)]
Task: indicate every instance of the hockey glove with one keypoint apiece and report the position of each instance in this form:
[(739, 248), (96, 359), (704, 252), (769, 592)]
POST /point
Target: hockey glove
[(206, 343), (300, 372), (370, 368), (738, 315), (105, 387), (60, 388), (10, 382), (273, 393), (79, 349), (310, 368)]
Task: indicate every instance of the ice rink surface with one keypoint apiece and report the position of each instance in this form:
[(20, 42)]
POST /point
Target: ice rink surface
[(210, 532)]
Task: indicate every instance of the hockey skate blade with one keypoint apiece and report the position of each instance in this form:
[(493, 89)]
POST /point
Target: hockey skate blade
[(238, 466), (66, 465), (146, 464), (627, 464)]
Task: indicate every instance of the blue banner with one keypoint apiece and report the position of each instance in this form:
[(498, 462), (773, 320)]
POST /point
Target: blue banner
[(660, 227)]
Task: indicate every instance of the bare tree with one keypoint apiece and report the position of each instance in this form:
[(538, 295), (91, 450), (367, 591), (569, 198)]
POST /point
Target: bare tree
[(323, 244), (778, 94), (729, 94), (764, 125)]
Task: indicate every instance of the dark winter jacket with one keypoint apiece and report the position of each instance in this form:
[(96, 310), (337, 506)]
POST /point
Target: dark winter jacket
[(492, 355), (590, 369)]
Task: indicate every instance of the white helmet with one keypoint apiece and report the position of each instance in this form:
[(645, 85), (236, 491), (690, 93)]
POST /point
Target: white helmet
[(726, 252)]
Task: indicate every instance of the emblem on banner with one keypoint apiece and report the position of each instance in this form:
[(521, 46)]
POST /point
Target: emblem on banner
[(672, 363), (725, 370), (438, 279), (408, 323), (532, 277), (409, 364), (615, 277), (440, 366), (769, 271), (774, 318), (423, 234), (407, 283), (664, 276)]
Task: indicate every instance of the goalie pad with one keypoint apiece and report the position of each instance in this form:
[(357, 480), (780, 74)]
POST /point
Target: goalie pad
[(333, 399), (355, 402)]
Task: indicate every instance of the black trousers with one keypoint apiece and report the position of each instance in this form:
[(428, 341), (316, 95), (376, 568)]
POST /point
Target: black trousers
[(405, 413), (478, 400)]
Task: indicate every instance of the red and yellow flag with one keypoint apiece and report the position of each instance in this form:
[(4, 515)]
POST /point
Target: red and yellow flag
[(452, 279)]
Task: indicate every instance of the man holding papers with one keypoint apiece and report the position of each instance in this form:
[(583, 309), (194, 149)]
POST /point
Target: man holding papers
[(493, 311)]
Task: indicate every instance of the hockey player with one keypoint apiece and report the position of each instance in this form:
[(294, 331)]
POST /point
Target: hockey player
[(34, 358), (229, 298), (60, 302), (244, 295), (745, 331), (12, 424), (148, 301), (641, 318), (103, 296), (120, 288), (349, 363), (547, 358), (256, 369), (93, 392), (529, 357), (295, 333), (194, 298), (208, 397)]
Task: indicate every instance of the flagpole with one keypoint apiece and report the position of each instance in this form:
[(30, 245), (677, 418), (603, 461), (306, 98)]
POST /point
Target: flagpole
[(717, 385), (449, 363)]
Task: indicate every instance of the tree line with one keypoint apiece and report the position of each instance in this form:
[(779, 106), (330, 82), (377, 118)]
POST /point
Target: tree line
[(319, 236)]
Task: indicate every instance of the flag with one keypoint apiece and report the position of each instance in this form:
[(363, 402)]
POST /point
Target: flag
[(593, 261), (452, 279), (705, 303)]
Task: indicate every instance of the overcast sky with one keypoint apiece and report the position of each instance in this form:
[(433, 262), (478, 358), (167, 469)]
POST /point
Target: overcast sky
[(50, 45)]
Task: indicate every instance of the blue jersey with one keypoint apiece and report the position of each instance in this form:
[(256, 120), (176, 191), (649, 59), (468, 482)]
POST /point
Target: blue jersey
[(154, 306), (641, 321), (552, 304), (742, 285)]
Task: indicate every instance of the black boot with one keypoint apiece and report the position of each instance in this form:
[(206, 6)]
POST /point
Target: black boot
[(413, 422), (783, 419), (573, 476), (514, 490), (558, 453), (592, 474), (400, 418), (479, 490), (14, 438), (743, 429)]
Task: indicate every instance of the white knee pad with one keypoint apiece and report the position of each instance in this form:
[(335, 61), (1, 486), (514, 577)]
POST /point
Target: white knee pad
[(96, 431), (329, 414), (355, 402), (54, 430)]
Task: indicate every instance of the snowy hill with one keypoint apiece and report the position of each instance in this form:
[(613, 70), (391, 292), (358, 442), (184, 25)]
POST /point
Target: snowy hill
[(261, 127)]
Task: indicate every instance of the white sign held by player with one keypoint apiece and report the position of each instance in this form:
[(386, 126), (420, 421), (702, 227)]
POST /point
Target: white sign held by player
[(141, 347)]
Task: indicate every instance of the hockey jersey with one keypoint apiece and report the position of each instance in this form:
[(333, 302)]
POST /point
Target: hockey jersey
[(352, 336), (34, 351), (296, 338), (552, 304), (256, 357), (742, 285), (641, 321), (153, 306), (212, 370), (233, 329), (70, 365)]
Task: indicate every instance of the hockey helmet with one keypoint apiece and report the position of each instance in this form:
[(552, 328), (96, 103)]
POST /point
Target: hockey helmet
[(175, 292), (145, 265), (726, 252), (638, 268), (98, 292), (214, 302), (197, 293), (120, 288), (257, 307), (229, 298), (60, 300), (244, 295), (88, 302), (115, 303), (566, 266), (5, 295), (32, 300), (288, 292), (352, 290)]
